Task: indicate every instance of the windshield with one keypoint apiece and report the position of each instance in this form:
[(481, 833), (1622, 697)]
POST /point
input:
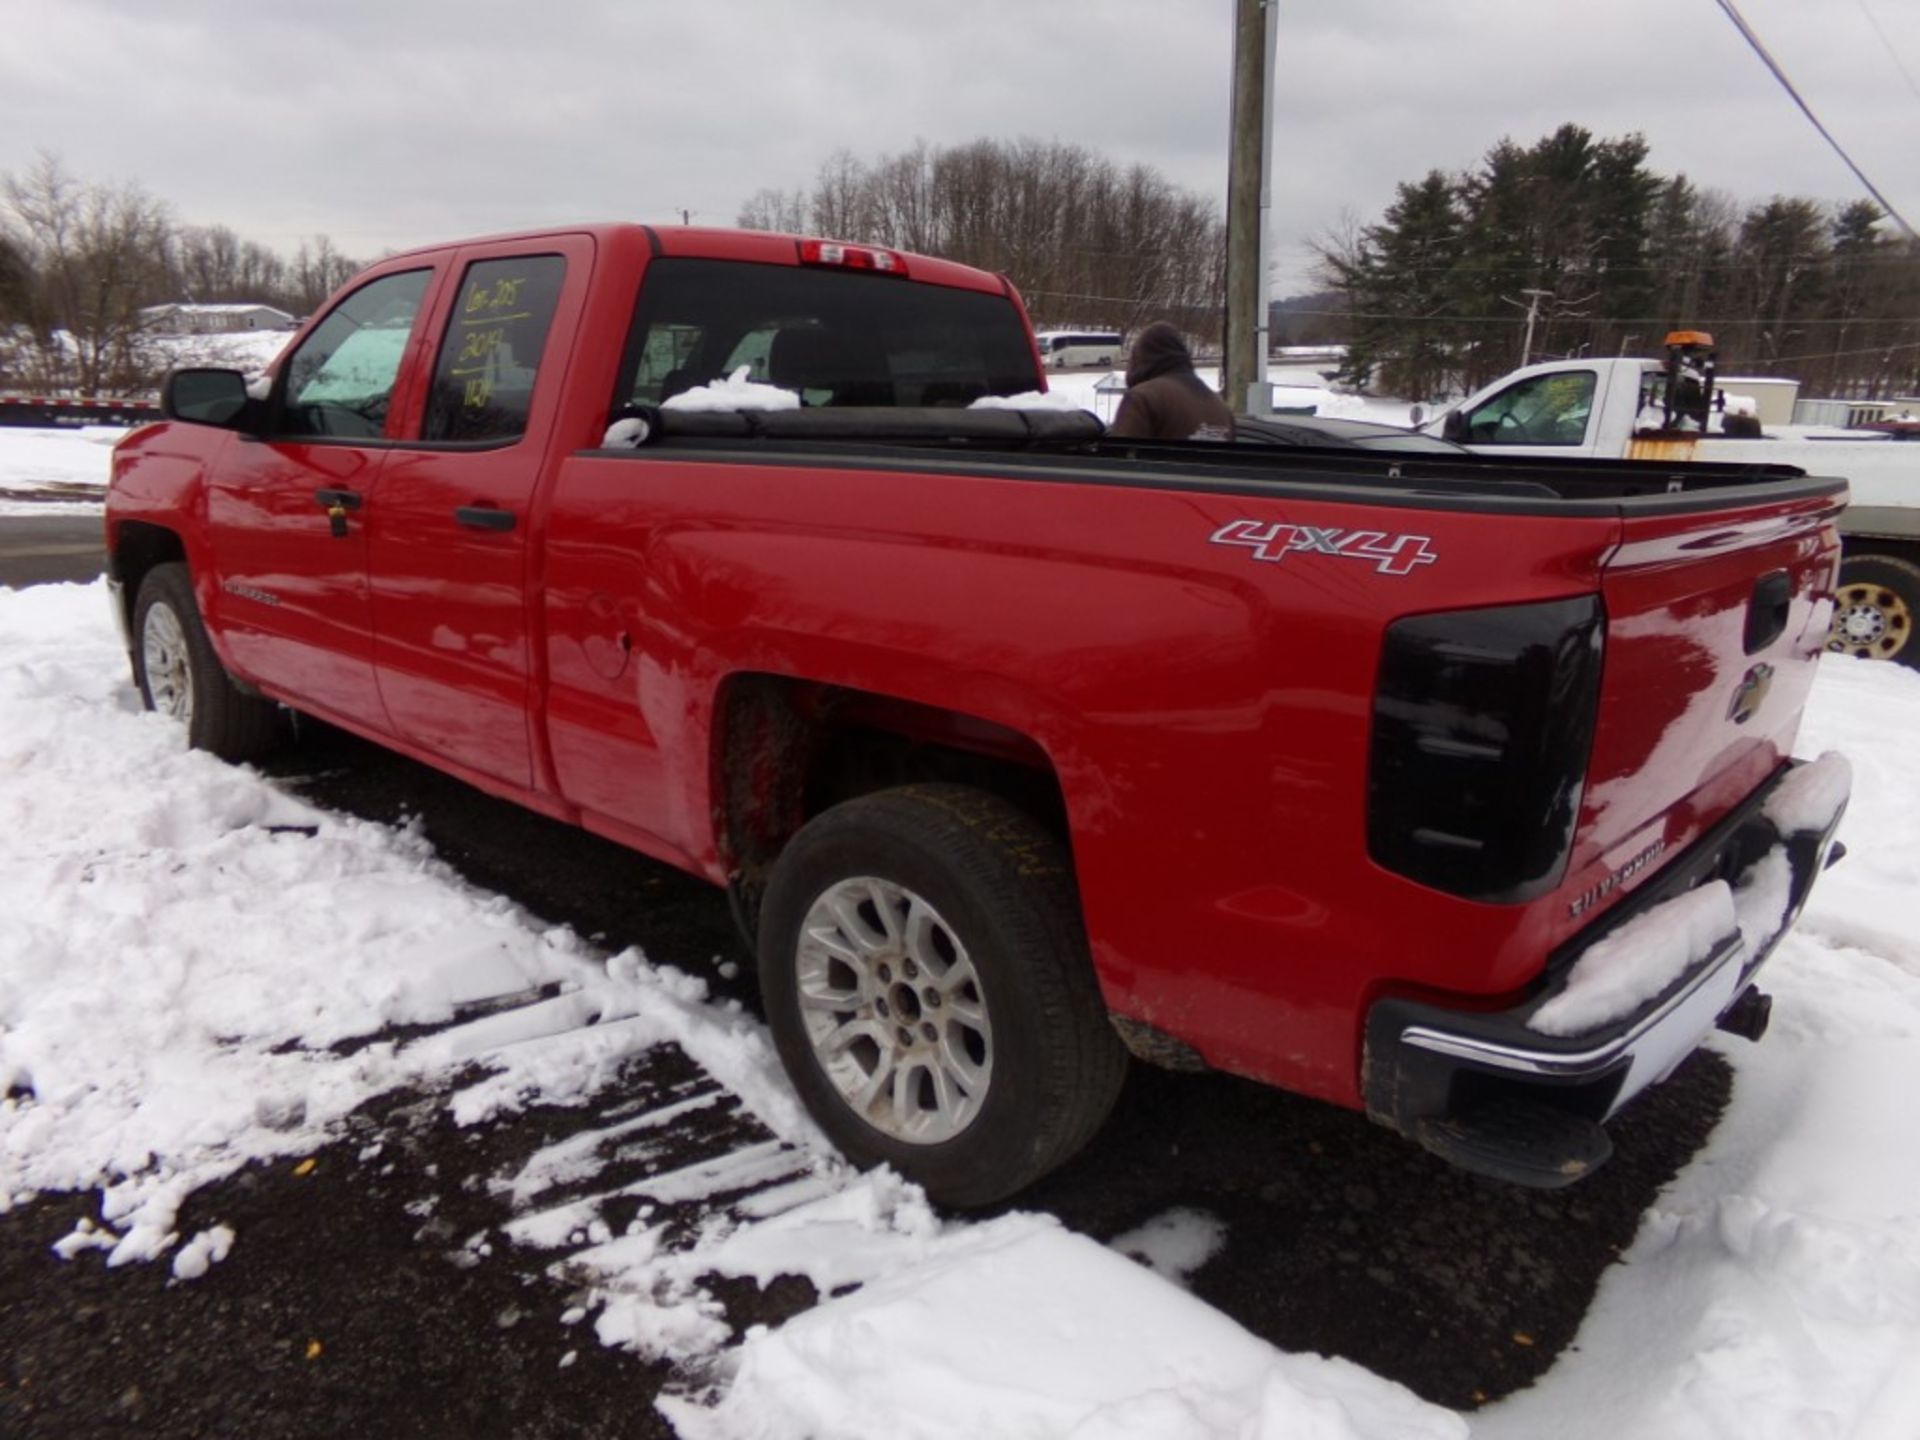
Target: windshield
[(1547, 409)]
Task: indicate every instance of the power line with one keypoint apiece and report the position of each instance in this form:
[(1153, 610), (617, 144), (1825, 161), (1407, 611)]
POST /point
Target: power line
[(1442, 318), (1887, 45), (1837, 354), (1194, 303), (1472, 269), (1706, 324), (1760, 49)]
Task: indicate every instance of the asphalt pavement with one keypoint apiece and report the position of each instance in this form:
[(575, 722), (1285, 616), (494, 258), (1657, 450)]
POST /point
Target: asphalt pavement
[(47, 549)]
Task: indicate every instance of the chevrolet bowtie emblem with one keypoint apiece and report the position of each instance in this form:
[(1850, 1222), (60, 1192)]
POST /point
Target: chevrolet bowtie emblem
[(1752, 691)]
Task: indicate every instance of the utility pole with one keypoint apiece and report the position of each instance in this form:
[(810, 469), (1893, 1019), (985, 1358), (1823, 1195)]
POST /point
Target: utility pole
[(1244, 351), (1534, 297)]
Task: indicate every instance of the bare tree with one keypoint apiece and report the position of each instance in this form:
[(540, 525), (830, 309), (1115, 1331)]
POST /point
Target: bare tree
[(16, 283), (317, 271), (97, 254), (213, 265), (1086, 242), (784, 210)]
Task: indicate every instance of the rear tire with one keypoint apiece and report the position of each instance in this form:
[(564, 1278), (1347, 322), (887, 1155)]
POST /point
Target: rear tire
[(1877, 605), (926, 976), (179, 675)]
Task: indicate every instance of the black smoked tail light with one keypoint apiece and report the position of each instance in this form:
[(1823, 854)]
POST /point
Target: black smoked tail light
[(1482, 724)]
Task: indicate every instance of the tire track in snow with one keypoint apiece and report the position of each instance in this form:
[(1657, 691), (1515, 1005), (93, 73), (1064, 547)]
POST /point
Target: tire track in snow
[(646, 1196)]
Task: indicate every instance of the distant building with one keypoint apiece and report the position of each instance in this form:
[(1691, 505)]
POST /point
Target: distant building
[(189, 319), (1773, 396)]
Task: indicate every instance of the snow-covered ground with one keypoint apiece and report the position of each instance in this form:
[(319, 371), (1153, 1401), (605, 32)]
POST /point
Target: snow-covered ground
[(55, 472), (180, 941)]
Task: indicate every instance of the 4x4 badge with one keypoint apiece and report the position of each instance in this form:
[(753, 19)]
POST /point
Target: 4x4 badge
[(1272, 540)]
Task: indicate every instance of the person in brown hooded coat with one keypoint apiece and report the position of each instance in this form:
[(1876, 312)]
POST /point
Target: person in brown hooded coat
[(1165, 400)]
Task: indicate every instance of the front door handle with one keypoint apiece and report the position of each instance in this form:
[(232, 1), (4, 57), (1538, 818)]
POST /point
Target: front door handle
[(484, 517), (337, 503)]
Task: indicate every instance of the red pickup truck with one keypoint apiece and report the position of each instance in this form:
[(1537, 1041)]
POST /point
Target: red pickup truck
[(1453, 789)]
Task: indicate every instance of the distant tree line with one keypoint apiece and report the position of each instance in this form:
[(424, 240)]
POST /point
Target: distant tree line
[(1435, 293), (79, 261), (1088, 242)]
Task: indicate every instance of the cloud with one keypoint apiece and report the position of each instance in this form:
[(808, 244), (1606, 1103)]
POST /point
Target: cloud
[(385, 125)]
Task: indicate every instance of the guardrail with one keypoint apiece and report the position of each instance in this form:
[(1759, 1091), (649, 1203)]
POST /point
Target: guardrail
[(52, 412)]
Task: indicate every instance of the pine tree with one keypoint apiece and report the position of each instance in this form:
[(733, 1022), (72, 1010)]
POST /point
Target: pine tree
[(1399, 280), (1781, 270), (1626, 255)]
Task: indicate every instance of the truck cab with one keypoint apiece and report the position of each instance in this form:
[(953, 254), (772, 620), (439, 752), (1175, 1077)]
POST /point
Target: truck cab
[(1570, 409)]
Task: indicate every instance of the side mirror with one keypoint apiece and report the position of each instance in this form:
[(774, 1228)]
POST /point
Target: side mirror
[(206, 397), (1454, 426)]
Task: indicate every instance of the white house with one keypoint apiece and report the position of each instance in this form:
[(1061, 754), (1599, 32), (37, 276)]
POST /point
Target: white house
[(189, 319)]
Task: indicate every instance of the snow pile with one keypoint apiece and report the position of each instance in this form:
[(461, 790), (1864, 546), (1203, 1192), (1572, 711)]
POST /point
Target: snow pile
[(818, 1221), (629, 430), (202, 1253), (1639, 960), (1643, 957), (1029, 400), (1175, 1244), (735, 392), (1811, 795), (1019, 1328), (1762, 898)]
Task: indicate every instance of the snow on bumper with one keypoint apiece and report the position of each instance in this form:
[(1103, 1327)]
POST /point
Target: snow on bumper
[(1630, 997)]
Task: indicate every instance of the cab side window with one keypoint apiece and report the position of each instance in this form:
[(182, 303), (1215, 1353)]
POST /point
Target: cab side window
[(490, 355), (340, 381), (1544, 410)]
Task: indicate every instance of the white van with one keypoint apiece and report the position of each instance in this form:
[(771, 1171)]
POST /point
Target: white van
[(1064, 349)]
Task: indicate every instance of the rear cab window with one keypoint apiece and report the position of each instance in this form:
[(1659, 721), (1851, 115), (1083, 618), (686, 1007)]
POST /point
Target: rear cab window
[(833, 337)]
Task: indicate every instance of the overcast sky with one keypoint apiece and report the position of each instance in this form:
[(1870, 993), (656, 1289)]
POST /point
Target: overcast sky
[(391, 124)]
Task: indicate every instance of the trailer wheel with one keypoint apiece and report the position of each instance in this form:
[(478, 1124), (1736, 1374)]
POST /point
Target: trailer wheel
[(180, 676), (927, 980), (1877, 604)]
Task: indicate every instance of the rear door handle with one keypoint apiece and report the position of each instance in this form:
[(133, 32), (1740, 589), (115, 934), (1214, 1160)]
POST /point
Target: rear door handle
[(484, 517)]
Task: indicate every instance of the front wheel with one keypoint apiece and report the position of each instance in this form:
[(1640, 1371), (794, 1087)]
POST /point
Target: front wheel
[(1876, 605), (927, 980), (181, 677)]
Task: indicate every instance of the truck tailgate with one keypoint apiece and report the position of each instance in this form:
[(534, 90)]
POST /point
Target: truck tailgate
[(1716, 620)]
